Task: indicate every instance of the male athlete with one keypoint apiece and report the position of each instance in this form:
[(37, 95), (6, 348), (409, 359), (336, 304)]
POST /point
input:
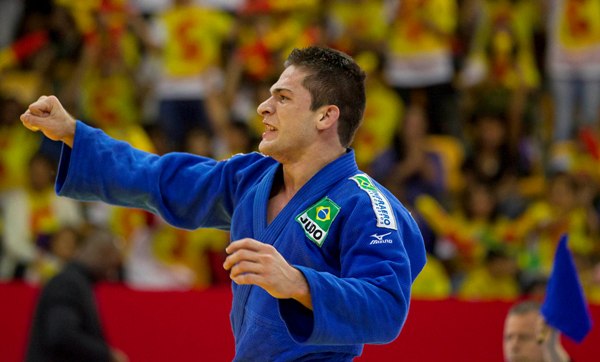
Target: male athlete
[(322, 257)]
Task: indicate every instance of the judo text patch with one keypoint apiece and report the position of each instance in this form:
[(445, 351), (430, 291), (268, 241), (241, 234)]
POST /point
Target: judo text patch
[(381, 206), (317, 219)]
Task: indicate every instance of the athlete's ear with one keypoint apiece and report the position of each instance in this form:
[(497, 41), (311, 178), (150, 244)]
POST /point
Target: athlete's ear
[(329, 116)]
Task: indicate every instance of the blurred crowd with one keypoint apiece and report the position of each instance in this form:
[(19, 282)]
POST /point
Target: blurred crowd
[(483, 118)]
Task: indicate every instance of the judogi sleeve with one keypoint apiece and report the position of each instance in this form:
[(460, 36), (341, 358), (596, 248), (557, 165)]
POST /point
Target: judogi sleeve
[(369, 301), (188, 191)]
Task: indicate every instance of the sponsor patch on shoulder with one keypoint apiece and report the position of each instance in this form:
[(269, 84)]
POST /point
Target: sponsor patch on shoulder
[(317, 219), (381, 206)]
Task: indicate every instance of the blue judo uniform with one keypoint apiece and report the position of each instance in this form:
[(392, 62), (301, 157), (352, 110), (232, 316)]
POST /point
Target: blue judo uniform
[(357, 246)]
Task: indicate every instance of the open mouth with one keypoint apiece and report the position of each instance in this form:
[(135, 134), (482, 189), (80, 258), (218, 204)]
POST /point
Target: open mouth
[(268, 130)]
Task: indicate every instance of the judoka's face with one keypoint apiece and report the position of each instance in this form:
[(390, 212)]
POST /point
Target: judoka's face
[(290, 125), (520, 342)]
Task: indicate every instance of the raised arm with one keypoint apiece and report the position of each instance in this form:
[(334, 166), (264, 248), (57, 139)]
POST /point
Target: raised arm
[(188, 191)]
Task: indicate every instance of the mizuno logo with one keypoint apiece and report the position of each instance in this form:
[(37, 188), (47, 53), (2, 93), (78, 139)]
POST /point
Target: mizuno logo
[(380, 237)]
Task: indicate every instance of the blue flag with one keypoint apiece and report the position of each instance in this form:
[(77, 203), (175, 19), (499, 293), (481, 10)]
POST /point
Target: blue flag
[(564, 307)]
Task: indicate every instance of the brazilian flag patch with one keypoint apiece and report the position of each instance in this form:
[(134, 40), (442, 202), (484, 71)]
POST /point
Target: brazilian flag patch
[(317, 219)]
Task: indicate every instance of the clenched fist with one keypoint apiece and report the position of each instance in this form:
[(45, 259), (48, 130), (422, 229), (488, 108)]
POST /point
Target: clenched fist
[(48, 115)]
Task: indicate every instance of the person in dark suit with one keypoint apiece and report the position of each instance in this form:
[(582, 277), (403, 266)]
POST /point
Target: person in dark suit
[(66, 325)]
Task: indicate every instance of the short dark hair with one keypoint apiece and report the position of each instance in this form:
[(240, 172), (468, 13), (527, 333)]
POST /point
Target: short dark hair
[(334, 78), (524, 307)]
